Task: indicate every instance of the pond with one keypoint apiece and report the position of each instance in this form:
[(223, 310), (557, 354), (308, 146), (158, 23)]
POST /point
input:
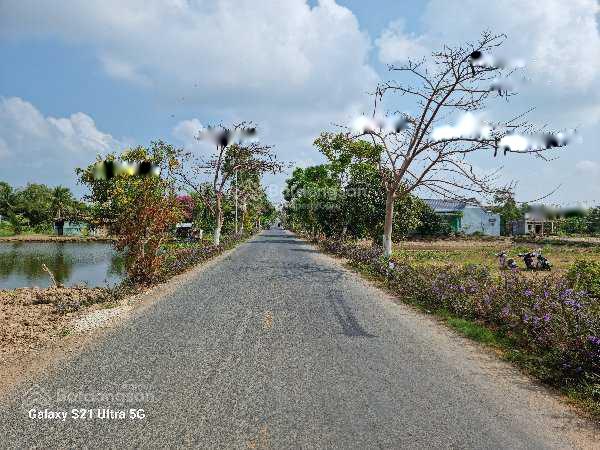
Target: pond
[(90, 263)]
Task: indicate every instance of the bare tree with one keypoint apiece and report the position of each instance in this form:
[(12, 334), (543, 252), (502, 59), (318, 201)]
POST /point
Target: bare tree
[(231, 156), (413, 156)]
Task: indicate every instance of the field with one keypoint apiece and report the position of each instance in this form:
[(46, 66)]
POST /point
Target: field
[(472, 251)]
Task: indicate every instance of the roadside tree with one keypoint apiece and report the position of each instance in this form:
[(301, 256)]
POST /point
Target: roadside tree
[(419, 152), (140, 210), (231, 156)]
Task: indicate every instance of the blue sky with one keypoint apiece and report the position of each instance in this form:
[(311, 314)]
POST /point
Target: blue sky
[(80, 78)]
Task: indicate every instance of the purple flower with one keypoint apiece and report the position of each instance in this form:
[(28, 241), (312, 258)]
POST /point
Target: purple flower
[(573, 304), (505, 311), (566, 293), (528, 293), (594, 340), (546, 317)]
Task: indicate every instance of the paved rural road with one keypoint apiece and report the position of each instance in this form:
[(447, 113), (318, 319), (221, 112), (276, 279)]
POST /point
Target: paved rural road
[(277, 346)]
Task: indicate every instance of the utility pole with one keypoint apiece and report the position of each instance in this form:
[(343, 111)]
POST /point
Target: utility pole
[(236, 202)]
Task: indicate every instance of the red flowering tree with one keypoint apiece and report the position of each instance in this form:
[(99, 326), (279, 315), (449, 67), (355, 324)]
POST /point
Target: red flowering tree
[(187, 205)]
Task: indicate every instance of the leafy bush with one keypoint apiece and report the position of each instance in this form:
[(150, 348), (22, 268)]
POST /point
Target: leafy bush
[(139, 210), (6, 229), (572, 225), (432, 224), (593, 220), (179, 256), (585, 275)]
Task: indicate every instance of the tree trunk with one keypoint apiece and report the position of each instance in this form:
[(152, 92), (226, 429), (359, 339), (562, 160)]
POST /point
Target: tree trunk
[(242, 216), (387, 227), (217, 235), (219, 221)]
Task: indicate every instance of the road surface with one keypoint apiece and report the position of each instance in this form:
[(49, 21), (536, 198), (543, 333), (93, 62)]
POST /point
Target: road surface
[(278, 346)]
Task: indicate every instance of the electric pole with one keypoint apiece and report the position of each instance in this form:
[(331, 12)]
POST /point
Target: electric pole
[(236, 202)]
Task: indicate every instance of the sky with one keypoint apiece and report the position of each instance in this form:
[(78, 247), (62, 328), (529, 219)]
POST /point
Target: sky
[(81, 78)]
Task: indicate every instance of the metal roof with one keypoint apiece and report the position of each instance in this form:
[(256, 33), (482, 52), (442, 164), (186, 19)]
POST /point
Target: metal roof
[(445, 205)]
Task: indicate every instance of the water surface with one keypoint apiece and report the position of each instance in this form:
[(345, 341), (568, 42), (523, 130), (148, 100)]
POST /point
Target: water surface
[(90, 263)]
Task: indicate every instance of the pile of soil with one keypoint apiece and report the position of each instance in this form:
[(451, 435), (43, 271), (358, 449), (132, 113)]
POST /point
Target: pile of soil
[(29, 317)]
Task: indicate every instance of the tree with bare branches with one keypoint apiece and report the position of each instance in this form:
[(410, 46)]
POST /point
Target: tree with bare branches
[(416, 153), (233, 154)]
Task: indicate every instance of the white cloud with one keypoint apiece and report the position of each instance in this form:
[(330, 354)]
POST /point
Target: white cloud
[(588, 167), (291, 68), (187, 131), (395, 45), (124, 70), (46, 149), (560, 41), (233, 51)]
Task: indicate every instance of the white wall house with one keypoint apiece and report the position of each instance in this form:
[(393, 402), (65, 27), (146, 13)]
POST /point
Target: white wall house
[(466, 218)]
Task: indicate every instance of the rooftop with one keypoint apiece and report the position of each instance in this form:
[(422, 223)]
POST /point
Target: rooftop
[(445, 205)]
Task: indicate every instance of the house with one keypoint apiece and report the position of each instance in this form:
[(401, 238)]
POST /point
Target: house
[(531, 226), (68, 228), (184, 230), (99, 231), (466, 218)]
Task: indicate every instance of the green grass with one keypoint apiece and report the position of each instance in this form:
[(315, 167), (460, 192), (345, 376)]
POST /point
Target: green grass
[(440, 253), (6, 229), (473, 330), (65, 332)]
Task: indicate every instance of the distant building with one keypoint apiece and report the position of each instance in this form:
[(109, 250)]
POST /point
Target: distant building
[(184, 230), (68, 228), (531, 226), (466, 218)]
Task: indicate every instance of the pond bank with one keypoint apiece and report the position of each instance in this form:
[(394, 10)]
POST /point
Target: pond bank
[(30, 317)]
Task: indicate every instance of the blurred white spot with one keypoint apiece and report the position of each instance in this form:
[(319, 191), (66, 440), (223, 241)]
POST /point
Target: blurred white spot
[(469, 126)]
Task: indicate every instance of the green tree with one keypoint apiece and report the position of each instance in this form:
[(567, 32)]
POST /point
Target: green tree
[(230, 157), (506, 205), (432, 224), (63, 204), (593, 220), (6, 199), (140, 210), (34, 202), (364, 206), (314, 199)]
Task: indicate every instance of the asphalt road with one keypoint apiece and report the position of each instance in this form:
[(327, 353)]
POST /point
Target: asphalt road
[(277, 346)]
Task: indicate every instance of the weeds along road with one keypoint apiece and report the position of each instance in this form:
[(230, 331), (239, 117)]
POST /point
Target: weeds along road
[(278, 346)]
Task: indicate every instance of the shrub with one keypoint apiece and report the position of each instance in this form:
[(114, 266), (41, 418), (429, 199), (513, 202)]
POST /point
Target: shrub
[(585, 275)]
